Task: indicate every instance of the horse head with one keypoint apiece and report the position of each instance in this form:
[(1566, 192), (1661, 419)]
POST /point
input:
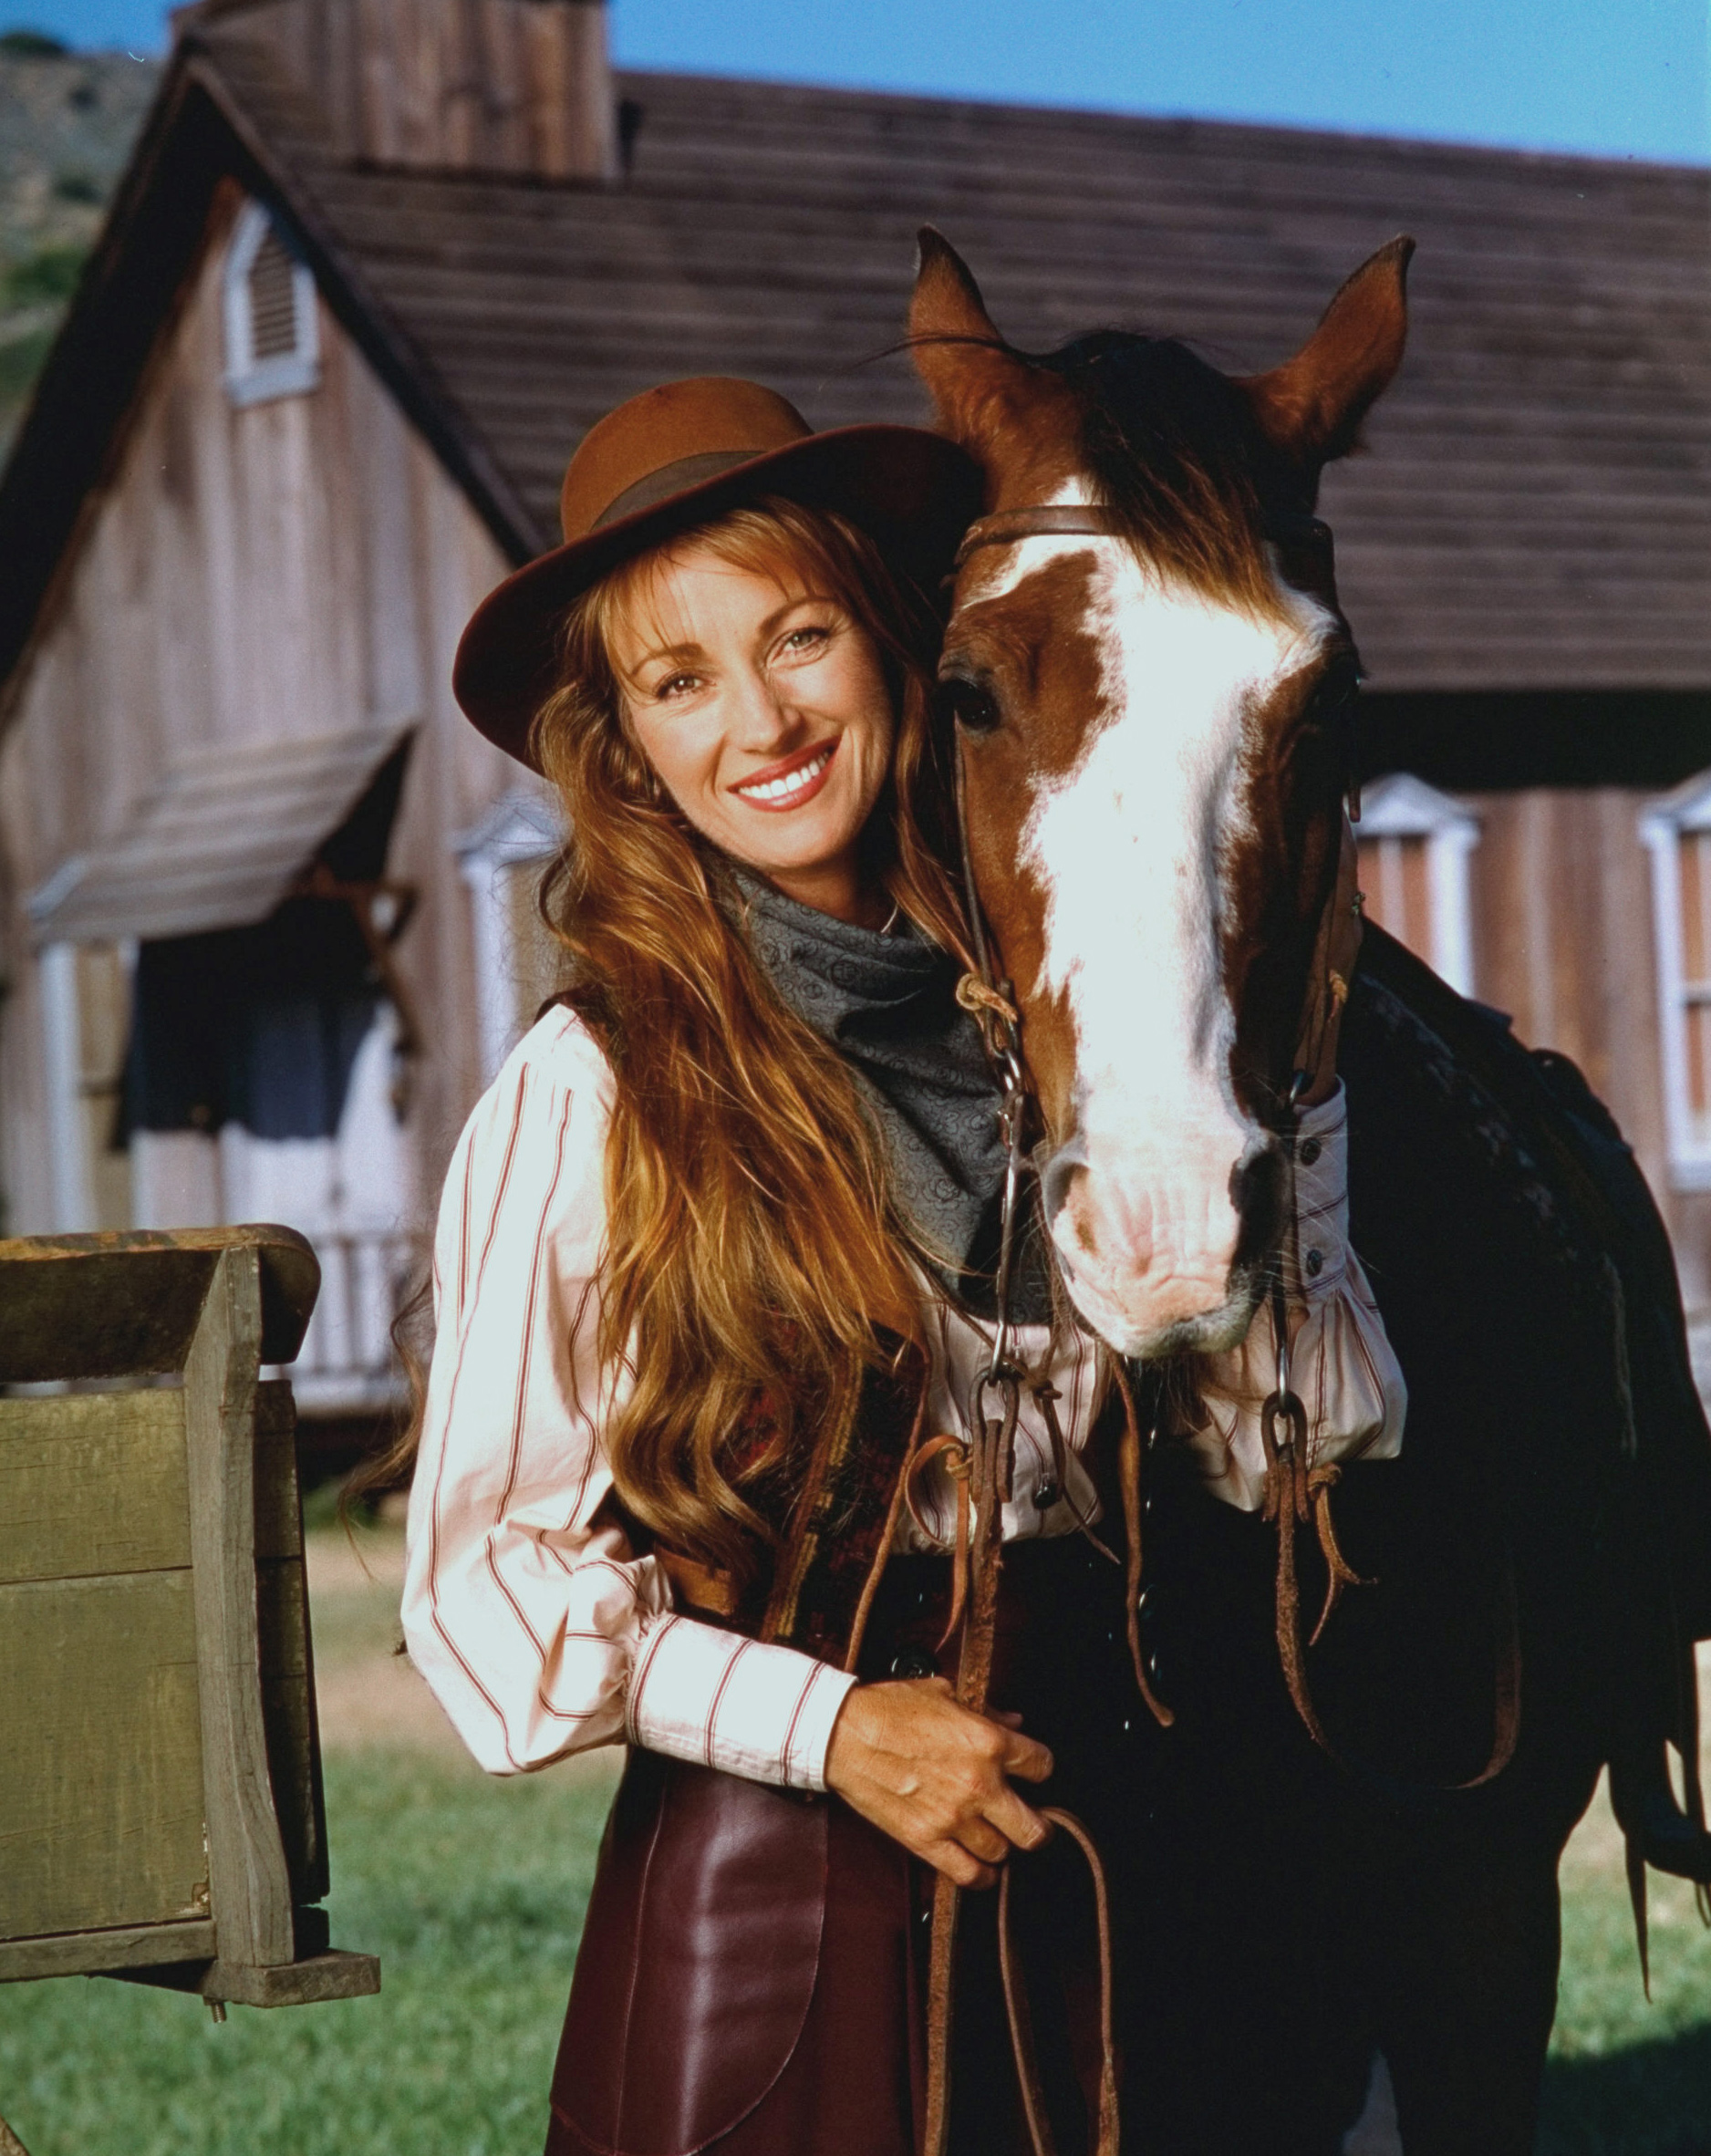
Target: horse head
[(1151, 713)]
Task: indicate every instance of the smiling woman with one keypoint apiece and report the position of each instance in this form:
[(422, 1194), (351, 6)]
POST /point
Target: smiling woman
[(714, 1256)]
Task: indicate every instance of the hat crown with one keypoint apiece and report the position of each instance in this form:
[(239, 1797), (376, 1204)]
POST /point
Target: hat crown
[(635, 451)]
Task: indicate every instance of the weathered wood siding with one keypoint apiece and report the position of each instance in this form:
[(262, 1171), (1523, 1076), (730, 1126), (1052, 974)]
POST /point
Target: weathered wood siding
[(1561, 910), (292, 568)]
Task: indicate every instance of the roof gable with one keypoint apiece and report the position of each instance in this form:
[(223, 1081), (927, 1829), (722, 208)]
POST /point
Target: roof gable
[(1534, 515)]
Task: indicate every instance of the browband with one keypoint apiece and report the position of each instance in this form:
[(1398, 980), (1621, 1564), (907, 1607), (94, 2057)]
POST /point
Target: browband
[(1086, 520), (1047, 520)]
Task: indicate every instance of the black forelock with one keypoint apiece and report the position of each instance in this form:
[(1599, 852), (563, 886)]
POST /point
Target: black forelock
[(1173, 447)]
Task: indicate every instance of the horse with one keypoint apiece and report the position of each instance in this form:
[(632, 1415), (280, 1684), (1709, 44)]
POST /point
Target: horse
[(1351, 1848)]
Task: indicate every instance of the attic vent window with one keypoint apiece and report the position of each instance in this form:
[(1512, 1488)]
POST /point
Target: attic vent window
[(272, 347)]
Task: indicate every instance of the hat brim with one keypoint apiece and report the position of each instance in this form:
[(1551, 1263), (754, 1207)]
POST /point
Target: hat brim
[(914, 492)]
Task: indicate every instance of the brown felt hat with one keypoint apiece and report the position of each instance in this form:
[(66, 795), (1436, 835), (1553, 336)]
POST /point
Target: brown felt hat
[(678, 456)]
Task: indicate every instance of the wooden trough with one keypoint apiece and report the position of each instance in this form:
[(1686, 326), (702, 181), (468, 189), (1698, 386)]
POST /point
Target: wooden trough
[(161, 1811)]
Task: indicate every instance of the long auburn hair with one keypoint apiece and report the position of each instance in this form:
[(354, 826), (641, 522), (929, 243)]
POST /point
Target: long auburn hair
[(755, 1264)]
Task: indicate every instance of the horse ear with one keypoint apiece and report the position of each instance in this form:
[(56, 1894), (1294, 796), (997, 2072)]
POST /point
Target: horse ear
[(1312, 406), (975, 381)]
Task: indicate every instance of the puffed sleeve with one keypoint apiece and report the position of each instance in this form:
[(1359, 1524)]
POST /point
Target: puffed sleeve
[(540, 1633)]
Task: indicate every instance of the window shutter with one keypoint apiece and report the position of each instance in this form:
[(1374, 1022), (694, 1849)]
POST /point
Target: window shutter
[(273, 294)]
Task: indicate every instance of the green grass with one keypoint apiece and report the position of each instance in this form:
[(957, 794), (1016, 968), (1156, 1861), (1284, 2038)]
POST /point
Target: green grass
[(1627, 2078), (45, 277), (471, 1893)]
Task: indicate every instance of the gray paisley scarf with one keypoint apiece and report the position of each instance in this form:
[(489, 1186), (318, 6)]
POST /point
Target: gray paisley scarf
[(887, 1003)]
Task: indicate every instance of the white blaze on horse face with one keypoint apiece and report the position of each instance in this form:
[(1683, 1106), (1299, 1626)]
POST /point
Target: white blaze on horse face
[(1132, 849)]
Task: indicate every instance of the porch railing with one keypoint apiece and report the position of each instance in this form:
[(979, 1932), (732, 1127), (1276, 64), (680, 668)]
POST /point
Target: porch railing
[(348, 1365)]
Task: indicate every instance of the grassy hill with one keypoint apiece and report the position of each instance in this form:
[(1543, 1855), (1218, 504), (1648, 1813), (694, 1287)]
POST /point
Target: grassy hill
[(68, 120)]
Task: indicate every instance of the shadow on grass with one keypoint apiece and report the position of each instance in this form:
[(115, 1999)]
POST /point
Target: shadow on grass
[(1647, 2100)]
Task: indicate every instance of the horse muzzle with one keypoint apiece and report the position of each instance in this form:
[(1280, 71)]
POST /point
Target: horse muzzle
[(1165, 1256)]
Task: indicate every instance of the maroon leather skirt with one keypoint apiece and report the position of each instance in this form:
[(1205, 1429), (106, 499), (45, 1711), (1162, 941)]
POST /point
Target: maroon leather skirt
[(751, 1977)]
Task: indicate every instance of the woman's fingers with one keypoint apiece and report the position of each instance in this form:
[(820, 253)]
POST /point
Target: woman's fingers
[(1027, 1756), (985, 1841), (1017, 1823), (958, 1865)]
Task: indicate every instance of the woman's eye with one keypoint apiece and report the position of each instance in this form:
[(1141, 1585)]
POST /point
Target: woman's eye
[(806, 639), (676, 685), (974, 707)]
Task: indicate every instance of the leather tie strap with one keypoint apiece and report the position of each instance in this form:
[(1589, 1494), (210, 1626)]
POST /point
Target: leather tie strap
[(959, 1465)]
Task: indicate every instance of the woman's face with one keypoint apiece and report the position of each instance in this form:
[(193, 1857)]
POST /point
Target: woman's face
[(761, 705)]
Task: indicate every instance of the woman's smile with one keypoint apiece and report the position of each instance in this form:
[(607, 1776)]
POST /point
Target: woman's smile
[(791, 781)]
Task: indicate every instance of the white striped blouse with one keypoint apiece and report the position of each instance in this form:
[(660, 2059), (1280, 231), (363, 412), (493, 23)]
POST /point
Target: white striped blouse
[(541, 1632)]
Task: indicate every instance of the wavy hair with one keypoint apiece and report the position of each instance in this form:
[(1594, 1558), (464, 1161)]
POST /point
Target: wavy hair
[(756, 1265)]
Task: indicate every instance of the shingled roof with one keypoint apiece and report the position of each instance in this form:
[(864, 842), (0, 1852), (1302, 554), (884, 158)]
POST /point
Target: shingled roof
[(1535, 512)]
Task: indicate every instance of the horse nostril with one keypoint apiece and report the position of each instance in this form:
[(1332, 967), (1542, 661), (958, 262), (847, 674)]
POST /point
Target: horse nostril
[(1057, 1171), (1256, 1192)]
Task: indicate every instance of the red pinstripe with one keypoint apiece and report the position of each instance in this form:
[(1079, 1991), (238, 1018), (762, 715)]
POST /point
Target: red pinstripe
[(520, 1402), (435, 1617), (815, 1675), (643, 1671), (712, 1711)]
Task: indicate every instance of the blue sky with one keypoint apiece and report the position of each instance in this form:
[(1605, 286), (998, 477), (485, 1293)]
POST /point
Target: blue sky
[(1613, 78)]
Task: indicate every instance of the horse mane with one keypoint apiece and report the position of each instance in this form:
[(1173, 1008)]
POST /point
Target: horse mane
[(1175, 451)]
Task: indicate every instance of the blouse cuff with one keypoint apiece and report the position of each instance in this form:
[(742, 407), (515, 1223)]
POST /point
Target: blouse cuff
[(712, 1696)]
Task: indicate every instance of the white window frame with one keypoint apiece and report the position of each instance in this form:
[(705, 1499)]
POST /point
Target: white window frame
[(250, 380), (518, 832), (1402, 806), (1663, 824)]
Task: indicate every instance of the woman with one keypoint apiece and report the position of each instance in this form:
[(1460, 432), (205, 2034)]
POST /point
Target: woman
[(713, 1281)]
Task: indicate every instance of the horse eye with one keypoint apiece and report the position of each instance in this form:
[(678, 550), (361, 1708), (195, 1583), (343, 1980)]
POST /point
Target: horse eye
[(1338, 690), (974, 709)]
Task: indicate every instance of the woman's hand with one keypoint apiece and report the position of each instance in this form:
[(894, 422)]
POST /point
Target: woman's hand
[(934, 1776)]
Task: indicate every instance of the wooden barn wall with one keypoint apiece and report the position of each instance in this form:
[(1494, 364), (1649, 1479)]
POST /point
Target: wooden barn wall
[(1563, 941), (293, 568)]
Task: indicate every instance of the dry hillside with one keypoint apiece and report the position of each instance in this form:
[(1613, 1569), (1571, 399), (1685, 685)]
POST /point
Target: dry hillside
[(68, 120)]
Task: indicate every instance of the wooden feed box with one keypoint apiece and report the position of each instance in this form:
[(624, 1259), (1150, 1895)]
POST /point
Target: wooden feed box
[(160, 1813)]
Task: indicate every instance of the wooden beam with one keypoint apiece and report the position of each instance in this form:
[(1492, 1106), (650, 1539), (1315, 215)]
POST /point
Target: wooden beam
[(127, 1946), (125, 1303), (330, 1975)]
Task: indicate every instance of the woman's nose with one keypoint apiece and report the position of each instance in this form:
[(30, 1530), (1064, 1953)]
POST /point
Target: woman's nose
[(766, 717)]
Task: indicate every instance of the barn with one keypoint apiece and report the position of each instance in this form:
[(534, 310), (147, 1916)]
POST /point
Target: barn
[(264, 897)]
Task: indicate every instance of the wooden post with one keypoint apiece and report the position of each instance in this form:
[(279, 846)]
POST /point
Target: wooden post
[(160, 1802), (246, 1860)]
